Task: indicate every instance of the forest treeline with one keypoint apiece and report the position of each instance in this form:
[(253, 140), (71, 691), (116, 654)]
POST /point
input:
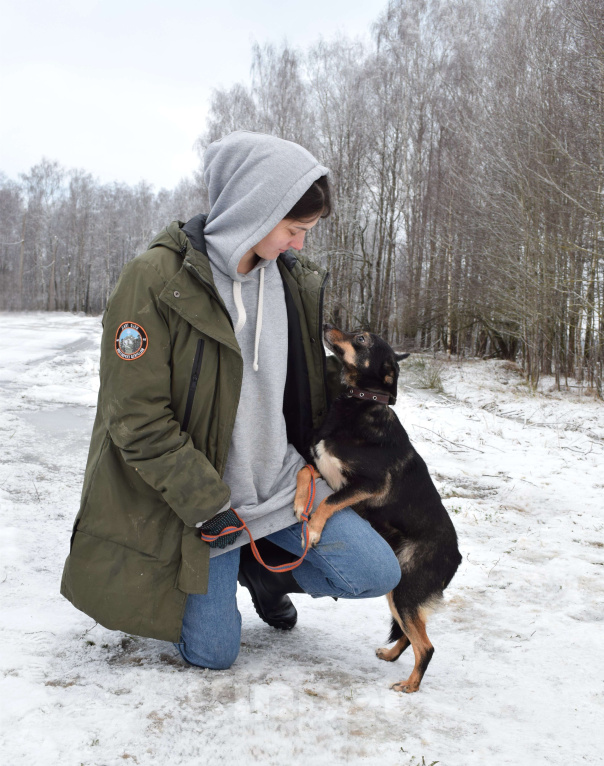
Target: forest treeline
[(465, 140)]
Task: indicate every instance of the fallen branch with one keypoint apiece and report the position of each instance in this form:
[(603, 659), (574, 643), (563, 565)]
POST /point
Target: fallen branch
[(456, 444)]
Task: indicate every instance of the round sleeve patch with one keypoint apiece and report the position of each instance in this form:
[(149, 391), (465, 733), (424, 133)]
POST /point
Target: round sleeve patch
[(131, 341)]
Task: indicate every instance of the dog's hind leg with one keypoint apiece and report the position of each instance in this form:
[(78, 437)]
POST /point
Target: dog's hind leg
[(414, 627), (392, 654), (396, 634)]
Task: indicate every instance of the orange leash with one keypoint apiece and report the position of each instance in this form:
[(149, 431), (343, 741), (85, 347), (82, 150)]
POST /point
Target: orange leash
[(280, 567)]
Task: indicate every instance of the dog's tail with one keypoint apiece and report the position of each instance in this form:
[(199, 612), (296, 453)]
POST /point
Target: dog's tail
[(395, 631)]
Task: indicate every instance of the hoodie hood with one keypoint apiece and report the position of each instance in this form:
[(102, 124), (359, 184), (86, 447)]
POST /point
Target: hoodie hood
[(253, 181)]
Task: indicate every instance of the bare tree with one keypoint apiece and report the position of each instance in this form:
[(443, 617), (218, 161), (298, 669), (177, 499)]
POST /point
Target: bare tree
[(466, 148)]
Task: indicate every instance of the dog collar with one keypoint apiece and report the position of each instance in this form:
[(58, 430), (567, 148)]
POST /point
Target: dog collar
[(369, 396)]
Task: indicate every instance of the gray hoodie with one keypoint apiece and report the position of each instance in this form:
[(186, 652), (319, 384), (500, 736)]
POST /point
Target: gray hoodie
[(253, 181)]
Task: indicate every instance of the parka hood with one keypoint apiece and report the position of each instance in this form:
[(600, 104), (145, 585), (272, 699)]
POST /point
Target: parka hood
[(253, 181), (187, 240), (174, 238)]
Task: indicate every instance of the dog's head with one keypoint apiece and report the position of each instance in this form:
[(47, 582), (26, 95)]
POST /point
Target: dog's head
[(367, 360)]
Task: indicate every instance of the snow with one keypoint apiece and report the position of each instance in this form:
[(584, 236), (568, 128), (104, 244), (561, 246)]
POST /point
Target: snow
[(517, 676)]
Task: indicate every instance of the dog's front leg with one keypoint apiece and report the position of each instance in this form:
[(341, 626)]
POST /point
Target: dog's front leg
[(303, 489), (348, 495)]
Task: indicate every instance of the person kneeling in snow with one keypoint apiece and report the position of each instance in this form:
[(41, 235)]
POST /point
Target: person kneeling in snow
[(213, 377)]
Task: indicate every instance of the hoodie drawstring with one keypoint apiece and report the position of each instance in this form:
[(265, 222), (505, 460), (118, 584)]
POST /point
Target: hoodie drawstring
[(259, 319), (242, 316)]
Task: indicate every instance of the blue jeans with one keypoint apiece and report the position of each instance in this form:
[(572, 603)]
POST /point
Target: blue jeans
[(350, 561)]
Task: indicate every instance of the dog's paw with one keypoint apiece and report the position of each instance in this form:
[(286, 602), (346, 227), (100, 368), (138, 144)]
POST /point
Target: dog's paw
[(299, 507), (302, 494), (314, 534), (313, 539), (386, 654), (405, 686)]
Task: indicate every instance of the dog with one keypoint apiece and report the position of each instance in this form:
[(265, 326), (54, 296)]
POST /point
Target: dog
[(365, 455)]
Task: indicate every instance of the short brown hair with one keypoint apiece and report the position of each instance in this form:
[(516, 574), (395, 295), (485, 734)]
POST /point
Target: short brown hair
[(317, 199)]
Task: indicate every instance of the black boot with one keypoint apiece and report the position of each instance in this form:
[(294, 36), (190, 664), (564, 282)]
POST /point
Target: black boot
[(269, 589)]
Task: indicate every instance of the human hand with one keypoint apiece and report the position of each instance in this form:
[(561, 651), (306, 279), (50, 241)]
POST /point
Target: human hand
[(217, 523)]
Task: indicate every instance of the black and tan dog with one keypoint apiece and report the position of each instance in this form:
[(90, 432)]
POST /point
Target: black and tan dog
[(364, 454)]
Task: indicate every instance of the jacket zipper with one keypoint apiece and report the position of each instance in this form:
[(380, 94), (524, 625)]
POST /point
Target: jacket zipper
[(320, 338), (193, 383)]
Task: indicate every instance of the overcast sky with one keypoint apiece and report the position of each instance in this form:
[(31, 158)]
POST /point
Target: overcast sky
[(121, 87)]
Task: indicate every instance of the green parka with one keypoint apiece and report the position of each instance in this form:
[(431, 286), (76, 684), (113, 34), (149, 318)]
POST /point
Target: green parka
[(163, 429)]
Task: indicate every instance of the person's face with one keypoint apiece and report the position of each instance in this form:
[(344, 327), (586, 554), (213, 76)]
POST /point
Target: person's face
[(286, 234)]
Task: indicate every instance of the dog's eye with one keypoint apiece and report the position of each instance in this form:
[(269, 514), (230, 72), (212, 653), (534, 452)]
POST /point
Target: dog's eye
[(360, 339)]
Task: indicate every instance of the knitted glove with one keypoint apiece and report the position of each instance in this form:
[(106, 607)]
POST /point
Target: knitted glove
[(217, 523)]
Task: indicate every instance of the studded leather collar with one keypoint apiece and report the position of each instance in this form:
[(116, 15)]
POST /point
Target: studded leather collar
[(368, 396)]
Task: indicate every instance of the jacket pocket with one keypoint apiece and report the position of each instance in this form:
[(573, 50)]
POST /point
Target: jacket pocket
[(124, 509), (193, 383), (88, 483)]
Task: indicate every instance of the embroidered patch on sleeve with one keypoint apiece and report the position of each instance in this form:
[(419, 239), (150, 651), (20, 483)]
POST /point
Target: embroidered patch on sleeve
[(131, 341)]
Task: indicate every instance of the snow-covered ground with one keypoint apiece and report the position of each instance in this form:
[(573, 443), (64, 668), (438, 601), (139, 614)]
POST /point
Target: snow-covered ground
[(517, 676)]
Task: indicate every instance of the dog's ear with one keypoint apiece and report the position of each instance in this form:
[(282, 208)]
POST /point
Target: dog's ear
[(400, 357)]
